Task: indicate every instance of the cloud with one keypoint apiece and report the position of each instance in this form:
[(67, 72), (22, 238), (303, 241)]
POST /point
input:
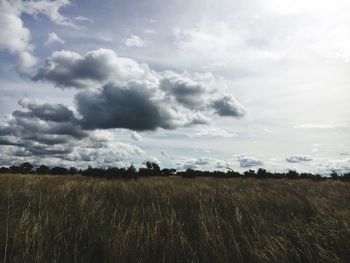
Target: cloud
[(48, 8), (228, 106), (323, 126), (136, 136), (94, 69), (187, 92), (211, 132), (298, 158), (339, 166), (41, 129), (150, 31), (246, 161), (137, 106), (134, 106), (16, 38), (45, 111), (115, 106), (152, 159), (135, 41), (193, 92), (83, 19), (119, 92), (52, 131), (53, 38), (114, 93), (201, 163)]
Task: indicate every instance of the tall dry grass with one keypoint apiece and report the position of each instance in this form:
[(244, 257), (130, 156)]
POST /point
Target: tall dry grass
[(77, 219)]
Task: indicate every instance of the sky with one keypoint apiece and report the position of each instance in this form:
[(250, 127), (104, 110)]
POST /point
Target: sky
[(188, 84)]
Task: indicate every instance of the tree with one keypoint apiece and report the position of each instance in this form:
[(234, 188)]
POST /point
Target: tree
[(26, 167), (149, 165), (43, 169), (292, 174), (131, 172), (250, 173), (153, 168), (15, 169), (334, 175), (4, 170), (59, 171), (156, 168), (261, 173), (73, 170), (168, 172)]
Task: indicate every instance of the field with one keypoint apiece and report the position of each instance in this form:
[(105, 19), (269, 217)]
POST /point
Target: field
[(172, 219)]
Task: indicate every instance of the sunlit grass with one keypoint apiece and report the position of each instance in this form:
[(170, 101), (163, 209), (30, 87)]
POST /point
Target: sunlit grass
[(77, 219)]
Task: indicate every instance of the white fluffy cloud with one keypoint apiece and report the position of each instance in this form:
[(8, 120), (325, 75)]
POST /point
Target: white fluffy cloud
[(93, 70), (83, 19), (247, 161), (16, 38), (298, 158), (135, 41), (201, 163), (51, 9), (53, 38)]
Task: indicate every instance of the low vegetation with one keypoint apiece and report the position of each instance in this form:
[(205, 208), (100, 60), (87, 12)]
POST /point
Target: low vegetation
[(172, 219)]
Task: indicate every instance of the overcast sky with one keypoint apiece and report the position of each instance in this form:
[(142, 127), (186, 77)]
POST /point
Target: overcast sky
[(188, 84)]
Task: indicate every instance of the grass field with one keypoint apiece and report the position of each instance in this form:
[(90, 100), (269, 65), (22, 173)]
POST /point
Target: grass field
[(78, 219)]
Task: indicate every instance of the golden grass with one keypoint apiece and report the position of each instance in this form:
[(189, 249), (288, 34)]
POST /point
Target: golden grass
[(77, 219)]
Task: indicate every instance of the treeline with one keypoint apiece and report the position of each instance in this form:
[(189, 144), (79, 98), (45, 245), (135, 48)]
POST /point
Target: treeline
[(153, 169)]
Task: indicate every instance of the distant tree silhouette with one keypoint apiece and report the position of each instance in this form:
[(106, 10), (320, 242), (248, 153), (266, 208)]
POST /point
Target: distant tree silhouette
[(15, 169), (59, 170), (131, 172), (153, 169), (262, 173), (73, 170), (26, 167), (334, 175), (249, 173), (346, 177), (43, 169), (4, 170), (292, 174), (168, 172), (190, 173)]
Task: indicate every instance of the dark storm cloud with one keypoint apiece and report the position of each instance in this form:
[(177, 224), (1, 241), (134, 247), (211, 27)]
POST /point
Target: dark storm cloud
[(68, 69), (120, 107), (97, 68), (228, 106), (123, 93), (298, 158), (41, 129), (44, 119), (46, 112), (186, 92), (138, 106)]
